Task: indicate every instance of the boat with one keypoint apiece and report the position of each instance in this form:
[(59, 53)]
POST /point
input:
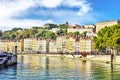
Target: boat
[(7, 59)]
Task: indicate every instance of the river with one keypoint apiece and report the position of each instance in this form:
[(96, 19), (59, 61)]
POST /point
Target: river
[(39, 67)]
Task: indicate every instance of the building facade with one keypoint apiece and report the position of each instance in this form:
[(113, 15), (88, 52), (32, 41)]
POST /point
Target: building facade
[(42, 45), (61, 44), (101, 25), (86, 45), (52, 46), (80, 29), (70, 44), (9, 46), (30, 44)]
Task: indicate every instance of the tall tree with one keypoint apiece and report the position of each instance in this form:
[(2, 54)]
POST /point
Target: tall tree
[(108, 37)]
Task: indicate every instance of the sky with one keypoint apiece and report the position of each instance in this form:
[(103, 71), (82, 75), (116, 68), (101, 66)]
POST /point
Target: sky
[(28, 13)]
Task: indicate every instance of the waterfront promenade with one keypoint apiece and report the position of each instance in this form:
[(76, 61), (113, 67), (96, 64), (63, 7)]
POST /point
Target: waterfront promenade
[(95, 58)]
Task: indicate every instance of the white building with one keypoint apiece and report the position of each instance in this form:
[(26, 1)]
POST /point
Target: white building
[(79, 29), (52, 46), (42, 45), (30, 44)]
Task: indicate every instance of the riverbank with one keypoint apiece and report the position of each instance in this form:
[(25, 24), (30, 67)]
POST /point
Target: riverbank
[(96, 58), (102, 58)]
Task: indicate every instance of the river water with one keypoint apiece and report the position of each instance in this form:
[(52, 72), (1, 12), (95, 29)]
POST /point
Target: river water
[(38, 67)]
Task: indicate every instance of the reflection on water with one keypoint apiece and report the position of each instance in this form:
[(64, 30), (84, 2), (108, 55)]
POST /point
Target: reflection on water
[(39, 67)]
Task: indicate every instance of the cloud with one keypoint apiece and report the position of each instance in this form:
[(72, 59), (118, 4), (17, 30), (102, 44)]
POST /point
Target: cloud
[(84, 6), (49, 11), (12, 7), (49, 3)]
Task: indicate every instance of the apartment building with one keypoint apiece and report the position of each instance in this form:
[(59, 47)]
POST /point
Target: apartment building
[(70, 44), (42, 45), (9, 46), (52, 46), (30, 44), (61, 44), (86, 45)]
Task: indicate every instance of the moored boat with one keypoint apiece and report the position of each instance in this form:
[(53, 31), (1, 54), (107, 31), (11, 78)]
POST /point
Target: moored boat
[(7, 59)]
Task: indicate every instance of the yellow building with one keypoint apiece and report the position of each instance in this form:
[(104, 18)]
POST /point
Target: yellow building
[(4, 47), (61, 42), (20, 45), (70, 44), (9, 46)]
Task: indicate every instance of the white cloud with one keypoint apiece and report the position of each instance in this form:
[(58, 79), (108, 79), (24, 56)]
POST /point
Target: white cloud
[(10, 8), (49, 3), (84, 6)]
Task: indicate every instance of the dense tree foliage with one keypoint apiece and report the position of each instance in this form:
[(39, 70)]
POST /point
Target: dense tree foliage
[(63, 26), (84, 33), (108, 37), (46, 34), (61, 32), (35, 32), (50, 26)]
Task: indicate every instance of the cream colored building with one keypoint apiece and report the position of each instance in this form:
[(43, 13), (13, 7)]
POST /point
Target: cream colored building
[(82, 45), (52, 46), (101, 25), (42, 45), (61, 44), (20, 45), (30, 44), (86, 45), (9, 46)]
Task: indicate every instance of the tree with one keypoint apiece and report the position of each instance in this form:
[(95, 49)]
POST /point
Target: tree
[(108, 37), (13, 36), (60, 32), (50, 26), (0, 33), (50, 35), (15, 29), (84, 33), (63, 26), (76, 33)]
